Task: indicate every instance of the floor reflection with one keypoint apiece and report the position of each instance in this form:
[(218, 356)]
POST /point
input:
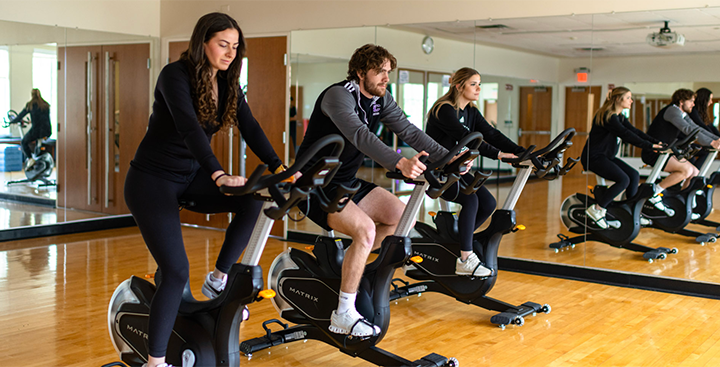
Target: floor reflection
[(539, 210)]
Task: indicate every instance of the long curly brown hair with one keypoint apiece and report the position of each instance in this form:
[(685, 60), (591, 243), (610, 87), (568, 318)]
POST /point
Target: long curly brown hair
[(200, 71)]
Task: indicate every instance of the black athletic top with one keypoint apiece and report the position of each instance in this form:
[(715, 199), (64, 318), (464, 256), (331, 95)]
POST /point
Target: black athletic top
[(40, 119), (342, 109), (451, 125), (695, 116), (175, 145), (602, 140)]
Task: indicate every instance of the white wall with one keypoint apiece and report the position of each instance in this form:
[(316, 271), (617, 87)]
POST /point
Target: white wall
[(314, 78), (449, 55), (651, 75), (262, 17), (655, 69), (141, 17)]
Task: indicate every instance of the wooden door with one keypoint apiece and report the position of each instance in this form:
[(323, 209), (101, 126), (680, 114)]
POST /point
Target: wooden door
[(78, 152), (580, 106), (535, 116), (267, 94), (125, 95), (638, 118), (219, 145), (297, 124), (491, 112)]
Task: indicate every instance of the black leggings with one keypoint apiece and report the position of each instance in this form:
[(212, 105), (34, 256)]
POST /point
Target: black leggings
[(30, 138), (153, 202), (625, 178), (476, 209)]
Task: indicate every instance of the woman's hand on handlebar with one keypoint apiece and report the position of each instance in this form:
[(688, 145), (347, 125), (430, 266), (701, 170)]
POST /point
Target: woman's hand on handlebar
[(232, 181), (715, 144), (411, 168), (658, 147)]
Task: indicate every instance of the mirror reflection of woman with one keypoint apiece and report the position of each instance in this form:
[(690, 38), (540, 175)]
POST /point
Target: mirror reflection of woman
[(39, 111), (600, 150), (700, 115), (453, 116)]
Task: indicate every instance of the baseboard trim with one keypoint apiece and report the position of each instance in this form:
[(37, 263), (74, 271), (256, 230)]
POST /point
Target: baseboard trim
[(77, 226)]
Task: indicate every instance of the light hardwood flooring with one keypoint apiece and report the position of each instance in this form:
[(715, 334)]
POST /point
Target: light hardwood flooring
[(54, 293)]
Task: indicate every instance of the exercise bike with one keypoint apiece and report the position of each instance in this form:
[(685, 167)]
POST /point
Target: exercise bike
[(680, 201), (440, 246), (623, 216), (206, 333), (704, 200), (307, 284), (44, 163)]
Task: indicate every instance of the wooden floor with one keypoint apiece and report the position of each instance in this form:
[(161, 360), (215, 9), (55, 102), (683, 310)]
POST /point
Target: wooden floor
[(539, 210), (54, 293)]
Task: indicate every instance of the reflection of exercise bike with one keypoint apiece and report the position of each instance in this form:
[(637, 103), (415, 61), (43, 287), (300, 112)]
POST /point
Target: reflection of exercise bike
[(43, 163), (440, 247), (206, 333), (624, 214)]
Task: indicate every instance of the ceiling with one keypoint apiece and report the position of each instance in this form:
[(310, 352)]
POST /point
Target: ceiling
[(599, 35)]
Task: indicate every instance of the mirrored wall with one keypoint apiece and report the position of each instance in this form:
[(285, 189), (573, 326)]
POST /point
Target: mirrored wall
[(97, 86), (540, 76)]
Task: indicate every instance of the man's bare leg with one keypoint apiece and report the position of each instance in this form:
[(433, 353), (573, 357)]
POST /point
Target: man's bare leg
[(385, 209)]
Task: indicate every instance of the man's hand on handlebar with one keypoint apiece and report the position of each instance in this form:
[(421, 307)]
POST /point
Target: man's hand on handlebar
[(412, 168), (715, 144)]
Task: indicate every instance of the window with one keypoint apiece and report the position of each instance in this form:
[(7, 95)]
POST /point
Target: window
[(4, 82), (44, 75)]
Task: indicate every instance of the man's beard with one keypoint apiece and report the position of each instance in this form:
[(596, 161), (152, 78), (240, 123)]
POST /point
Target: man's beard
[(373, 89)]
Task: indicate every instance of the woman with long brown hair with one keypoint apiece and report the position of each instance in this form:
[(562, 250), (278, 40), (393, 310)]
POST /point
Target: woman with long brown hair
[(39, 111), (453, 116), (601, 147), (195, 97), (700, 115)]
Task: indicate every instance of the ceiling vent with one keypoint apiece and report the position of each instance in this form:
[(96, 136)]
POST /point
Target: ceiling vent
[(492, 26), (588, 49)]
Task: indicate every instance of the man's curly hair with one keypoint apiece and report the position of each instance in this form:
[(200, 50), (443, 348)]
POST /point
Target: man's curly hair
[(368, 57), (681, 95)]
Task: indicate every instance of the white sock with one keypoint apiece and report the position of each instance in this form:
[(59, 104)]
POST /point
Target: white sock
[(346, 301), (658, 189), (216, 279)]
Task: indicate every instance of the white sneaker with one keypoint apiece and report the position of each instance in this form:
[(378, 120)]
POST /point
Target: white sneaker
[(29, 163), (597, 216), (656, 200), (694, 198), (212, 287), (353, 323), (471, 266)]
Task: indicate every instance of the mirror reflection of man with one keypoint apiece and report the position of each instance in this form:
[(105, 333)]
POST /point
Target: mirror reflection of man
[(354, 108)]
